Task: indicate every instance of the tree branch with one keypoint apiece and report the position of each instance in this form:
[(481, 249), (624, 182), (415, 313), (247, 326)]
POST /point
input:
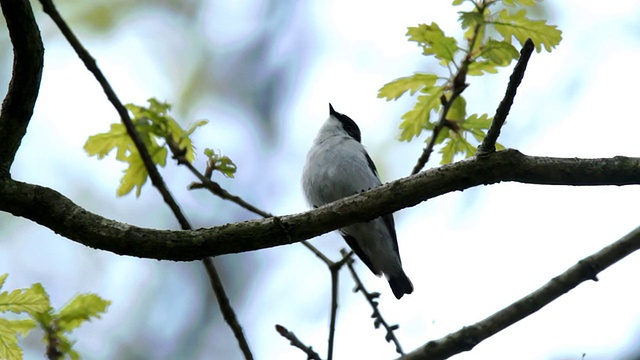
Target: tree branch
[(90, 63), (156, 179), (51, 209), (28, 60), (489, 143), (334, 268), (586, 269), (225, 307), (311, 355), (372, 299)]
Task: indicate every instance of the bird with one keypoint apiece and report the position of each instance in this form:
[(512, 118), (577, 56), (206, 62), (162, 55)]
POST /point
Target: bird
[(337, 166)]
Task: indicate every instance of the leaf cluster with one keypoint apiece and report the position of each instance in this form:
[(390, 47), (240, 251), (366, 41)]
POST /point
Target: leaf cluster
[(34, 302), (160, 133), (218, 162), (489, 28)]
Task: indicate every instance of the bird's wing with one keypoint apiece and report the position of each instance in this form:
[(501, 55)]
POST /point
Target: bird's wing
[(388, 219), (353, 244), (372, 166), (391, 227)]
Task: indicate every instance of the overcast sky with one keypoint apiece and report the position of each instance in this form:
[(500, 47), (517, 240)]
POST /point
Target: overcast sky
[(469, 254)]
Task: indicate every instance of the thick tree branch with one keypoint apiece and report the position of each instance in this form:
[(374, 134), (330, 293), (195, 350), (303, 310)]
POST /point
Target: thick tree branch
[(586, 269), (28, 59), (51, 209)]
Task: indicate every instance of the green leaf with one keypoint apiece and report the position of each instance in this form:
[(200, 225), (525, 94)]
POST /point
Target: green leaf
[(456, 144), (80, 309), (22, 326), (442, 136), (136, 174), (478, 134), (181, 138), (465, 147), (478, 68), (448, 151), (3, 277), (417, 119), (9, 348), (154, 124), (520, 2), (413, 83), (227, 167), (102, 144), (469, 19), (519, 26), (221, 163), (196, 125), (434, 42), (499, 52), (477, 122), (29, 300), (66, 346), (458, 110)]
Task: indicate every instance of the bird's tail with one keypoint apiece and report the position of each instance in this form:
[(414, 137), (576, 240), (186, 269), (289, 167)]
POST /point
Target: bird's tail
[(400, 284)]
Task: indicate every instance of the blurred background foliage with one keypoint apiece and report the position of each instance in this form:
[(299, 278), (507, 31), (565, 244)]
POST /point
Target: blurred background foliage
[(263, 72), (237, 55)]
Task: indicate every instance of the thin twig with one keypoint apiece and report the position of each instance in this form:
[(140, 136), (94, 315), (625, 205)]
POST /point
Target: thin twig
[(311, 355), (458, 85), (377, 316), (488, 145), (216, 189), (223, 300), (442, 123), (335, 267), (318, 253), (152, 170), (586, 269), (90, 64), (334, 313)]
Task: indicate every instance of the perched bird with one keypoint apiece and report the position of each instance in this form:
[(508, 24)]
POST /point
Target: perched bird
[(338, 166)]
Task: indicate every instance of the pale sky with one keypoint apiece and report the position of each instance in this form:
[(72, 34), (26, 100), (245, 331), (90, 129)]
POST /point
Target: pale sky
[(469, 254)]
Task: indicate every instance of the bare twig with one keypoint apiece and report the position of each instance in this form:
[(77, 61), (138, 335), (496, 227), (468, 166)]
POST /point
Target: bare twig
[(586, 269), (152, 170), (217, 190), (335, 267), (488, 145), (377, 316), (318, 253), (28, 60), (225, 306), (311, 355)]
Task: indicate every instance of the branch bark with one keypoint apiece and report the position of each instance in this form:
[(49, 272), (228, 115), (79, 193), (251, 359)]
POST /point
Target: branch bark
[(28, 60), (53, 210)]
